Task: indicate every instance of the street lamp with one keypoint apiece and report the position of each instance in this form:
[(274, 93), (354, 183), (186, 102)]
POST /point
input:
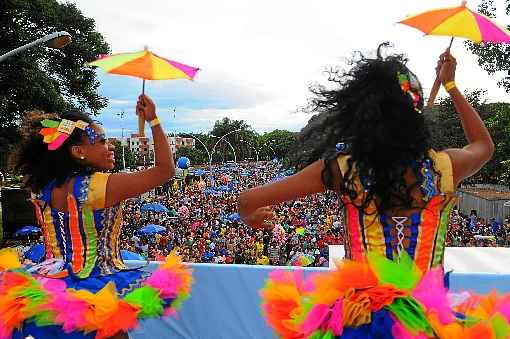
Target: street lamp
[(121, 115), (231, 147), (266, 144), (256, 150), (217, 142), (55, 40)]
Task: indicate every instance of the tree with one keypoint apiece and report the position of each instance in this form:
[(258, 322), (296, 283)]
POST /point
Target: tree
[(41, 78), (279, 140), (446, 132), (195, 155), (128, 157), (493, 57), (245, 133)]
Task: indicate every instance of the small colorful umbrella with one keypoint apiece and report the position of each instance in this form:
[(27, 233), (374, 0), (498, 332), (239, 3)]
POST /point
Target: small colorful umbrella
[(146, 65), (457, 21)]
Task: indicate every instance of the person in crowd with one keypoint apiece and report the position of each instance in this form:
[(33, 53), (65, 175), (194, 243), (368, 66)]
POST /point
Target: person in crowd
[(66, 162), (398, 193)]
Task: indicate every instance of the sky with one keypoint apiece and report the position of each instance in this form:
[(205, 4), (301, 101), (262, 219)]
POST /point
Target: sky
[(257, 58)]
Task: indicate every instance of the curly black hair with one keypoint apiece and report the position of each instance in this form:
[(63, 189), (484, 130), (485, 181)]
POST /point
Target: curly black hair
[(381, 125), (39, 166)]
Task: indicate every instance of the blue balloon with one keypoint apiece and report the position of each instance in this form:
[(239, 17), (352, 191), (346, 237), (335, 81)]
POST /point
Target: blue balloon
[(183, 163)]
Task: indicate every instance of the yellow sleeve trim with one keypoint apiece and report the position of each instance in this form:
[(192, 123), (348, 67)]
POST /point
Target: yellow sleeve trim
[(443, 165), (97, 190)]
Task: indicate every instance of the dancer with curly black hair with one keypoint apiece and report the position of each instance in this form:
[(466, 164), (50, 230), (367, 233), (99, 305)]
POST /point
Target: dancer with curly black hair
[(398, 194), (83, 288)]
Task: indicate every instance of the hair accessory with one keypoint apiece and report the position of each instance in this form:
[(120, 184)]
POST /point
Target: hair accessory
[(55, 132), (154, 122), (449, 86), (410, 86)]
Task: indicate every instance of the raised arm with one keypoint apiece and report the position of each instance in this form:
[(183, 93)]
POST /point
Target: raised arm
[(127, 185), (253, 203), (468, 160)]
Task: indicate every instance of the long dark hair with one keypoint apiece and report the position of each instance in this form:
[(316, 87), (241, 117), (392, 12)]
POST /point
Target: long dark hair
[(32, 159), (382, 127)]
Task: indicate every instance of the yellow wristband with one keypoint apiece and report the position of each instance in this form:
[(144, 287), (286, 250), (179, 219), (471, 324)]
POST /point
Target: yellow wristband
[(154, 122), (449, 86)]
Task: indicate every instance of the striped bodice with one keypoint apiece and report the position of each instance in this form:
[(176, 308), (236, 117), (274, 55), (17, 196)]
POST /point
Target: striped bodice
[(86, 237), (421, 233)]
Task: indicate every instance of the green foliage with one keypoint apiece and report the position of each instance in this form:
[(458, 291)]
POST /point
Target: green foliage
[(195, 155), (493, 57), (243, 132), (42, 78), (447, 132), (128, 157), (279, 140)]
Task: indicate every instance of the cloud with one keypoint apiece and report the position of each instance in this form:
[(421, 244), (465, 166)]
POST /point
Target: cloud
[(257, 58)]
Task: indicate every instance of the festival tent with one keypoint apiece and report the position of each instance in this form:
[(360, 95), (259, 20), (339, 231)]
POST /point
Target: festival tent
[(27, 230), (151, 229), (154, 207), (128, 255), (35, 253)]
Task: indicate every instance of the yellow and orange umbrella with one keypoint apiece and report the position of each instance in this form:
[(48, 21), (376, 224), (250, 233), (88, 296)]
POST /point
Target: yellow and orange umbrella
[(147, 66), (457, 21)]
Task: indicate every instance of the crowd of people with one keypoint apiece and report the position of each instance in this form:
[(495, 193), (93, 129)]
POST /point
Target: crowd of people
[(200, 228), (199, 225), (203, 226)]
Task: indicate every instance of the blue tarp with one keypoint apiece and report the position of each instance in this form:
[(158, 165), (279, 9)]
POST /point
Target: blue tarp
[(128, 255), (154, 207), (35, 253), (26, 230), (151, 229), (234, 217)]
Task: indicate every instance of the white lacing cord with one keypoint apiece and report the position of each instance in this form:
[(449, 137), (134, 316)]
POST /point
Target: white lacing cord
[(399, 225), (64, 243)]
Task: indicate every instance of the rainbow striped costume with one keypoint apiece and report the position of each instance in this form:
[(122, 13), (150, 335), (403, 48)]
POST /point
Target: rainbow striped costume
[(83, 288), (392, 283)]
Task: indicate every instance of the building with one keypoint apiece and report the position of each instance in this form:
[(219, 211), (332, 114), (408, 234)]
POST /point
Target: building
[(489, 201), (139, 145), (177, 141)]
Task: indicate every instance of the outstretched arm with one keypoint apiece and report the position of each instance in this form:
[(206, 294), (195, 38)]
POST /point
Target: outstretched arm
[(253, 202), (122, 186), (468, 160)]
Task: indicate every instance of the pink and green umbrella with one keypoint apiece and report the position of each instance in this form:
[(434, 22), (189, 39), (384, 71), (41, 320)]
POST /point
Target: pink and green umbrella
[(460, 22), (145, 65)]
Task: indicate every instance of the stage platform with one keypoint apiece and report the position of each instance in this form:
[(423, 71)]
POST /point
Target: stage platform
[(225, 302)]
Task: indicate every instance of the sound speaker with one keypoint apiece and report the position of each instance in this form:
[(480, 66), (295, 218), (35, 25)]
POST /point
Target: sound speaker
[(17, 210)]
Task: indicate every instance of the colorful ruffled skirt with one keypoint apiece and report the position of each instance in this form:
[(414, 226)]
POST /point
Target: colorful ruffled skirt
[(92, 307), (379, 299)]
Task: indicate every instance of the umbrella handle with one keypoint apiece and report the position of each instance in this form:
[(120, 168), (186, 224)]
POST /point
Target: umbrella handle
[(433, 92), (436, 86), (141, 121)]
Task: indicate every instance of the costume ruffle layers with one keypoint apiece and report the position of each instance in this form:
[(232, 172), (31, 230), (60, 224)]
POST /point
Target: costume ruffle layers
[(379, 299), (27, 298)]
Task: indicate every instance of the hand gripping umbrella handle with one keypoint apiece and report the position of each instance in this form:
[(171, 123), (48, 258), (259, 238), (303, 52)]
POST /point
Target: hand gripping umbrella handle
[(141, 121)]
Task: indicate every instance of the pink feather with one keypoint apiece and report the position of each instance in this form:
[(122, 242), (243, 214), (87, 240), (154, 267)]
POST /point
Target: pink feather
[(315, 318), (400, 332), (166, 282), (503, 306), (70, 311), (335, 322), (432, 294)]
